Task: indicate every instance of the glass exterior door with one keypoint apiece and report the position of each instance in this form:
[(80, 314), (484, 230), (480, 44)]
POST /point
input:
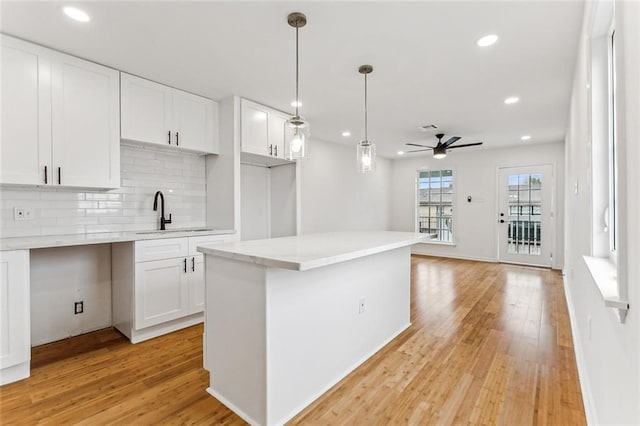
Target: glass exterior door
[(524, 216)]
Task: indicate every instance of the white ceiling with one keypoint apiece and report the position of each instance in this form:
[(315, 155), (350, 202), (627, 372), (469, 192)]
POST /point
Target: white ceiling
[(427, 67)]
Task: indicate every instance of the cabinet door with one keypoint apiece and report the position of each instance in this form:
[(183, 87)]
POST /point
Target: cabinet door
[(193, 121), (276, 133), (254, 127), (25, 141), (196, 284), (161, 291), (86, 123), (15, 331), (146, 111)]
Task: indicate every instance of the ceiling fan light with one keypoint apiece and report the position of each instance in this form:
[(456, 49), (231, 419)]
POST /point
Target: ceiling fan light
[(439, 153)]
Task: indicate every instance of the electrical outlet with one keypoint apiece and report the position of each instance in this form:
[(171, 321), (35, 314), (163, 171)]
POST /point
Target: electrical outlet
[(361, 304), (22, 213), (78, 307)]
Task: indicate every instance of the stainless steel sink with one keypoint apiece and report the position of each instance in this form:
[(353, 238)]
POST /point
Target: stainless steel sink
[(169, 231)]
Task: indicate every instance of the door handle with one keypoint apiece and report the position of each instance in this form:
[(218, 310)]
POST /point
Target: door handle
[(276, 150), (185, 265), (193, 264), (501, 220), (501, 214), (177, 142), (169, 139), (270, 149), (46, 178), (59, 176)]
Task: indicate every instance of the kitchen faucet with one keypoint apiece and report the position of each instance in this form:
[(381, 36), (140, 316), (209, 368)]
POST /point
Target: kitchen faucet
[(163, 221)]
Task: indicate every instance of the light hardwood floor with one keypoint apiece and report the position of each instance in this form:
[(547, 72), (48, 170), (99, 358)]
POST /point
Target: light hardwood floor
[(489, 344)]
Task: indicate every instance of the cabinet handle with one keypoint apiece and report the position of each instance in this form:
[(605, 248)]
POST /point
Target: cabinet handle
[(193, 264), (59, 176), (185, 265), (270, 149), (169, 140), (275, 149), (46, 178), (177, 139)]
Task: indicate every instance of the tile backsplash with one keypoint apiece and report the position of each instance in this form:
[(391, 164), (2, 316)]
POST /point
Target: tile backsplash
[(144, 170)]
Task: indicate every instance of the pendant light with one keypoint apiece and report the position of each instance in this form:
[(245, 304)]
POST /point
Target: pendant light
[(366, 151), (296, 129)]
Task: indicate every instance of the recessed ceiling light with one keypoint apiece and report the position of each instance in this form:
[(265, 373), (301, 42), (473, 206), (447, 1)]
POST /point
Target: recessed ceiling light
[(296, 104), (511, 100), (525, 137), (487, 40), (76, 14), (400, 152), (346, 133)]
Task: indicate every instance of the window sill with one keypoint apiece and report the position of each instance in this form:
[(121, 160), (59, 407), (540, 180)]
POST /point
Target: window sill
[(605, 275)]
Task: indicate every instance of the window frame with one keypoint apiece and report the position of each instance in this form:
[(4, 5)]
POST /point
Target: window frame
[(454, 197), (612, 162)]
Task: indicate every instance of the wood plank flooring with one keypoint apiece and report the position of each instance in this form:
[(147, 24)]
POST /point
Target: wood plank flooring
[(489, 344)]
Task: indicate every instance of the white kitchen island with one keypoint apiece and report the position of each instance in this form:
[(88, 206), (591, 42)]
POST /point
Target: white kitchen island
[(287, 318)]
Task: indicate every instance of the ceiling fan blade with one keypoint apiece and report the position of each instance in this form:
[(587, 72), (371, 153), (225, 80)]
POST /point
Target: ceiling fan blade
[(416, 144), (451, 140), (466, 144), (419, 150)]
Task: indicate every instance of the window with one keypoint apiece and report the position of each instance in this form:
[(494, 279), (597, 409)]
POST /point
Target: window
[(435, 204)]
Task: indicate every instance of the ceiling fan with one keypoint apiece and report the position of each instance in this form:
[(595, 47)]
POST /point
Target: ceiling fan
[(440, 150)]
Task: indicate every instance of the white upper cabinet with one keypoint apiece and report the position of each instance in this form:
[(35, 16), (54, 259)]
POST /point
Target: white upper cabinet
[(255, 128), (277, 122), (86, 124), (262, 130), (158, 114), (60, 119), (146, 110)]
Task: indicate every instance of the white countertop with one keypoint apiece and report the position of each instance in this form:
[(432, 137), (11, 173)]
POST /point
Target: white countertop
[(306, 252), (47, 241)]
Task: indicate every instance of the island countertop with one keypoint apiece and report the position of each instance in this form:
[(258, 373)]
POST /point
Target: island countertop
[(311, 251)]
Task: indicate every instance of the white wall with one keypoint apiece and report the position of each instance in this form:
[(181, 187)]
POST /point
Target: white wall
[(62, 276), (335, 197), (144, 170), (607, 351), (475, 174)]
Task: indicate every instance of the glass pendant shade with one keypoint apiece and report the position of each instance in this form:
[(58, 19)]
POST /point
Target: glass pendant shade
[(366, 157), (296, 138)]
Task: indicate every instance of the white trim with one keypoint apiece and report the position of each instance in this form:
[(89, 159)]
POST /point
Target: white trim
[(587, 395), (15, 372), (454, 256), (244, 416)]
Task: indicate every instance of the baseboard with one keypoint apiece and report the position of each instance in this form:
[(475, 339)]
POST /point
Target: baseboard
[(450, 256), (141, 335), (244, 416), (587, 394), (15, 373), (348, 371)]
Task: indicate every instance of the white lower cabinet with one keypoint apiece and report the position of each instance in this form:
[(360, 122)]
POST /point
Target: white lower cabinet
[(15, 330), (161, 291), (158, 285)]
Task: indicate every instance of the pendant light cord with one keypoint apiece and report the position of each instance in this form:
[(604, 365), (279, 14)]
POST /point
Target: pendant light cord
[(366, 137), (297, 72)]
